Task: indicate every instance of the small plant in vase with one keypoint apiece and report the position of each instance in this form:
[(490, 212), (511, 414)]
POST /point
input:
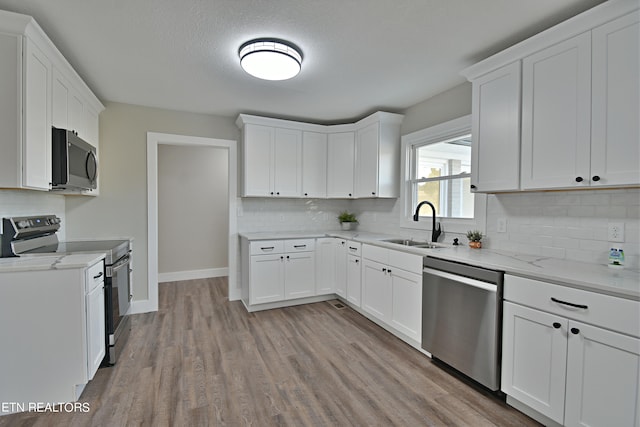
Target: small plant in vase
[(347, 220), (475, 238)]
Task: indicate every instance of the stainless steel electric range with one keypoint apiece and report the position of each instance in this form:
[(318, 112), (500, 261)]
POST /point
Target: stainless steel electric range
[(37, 235)]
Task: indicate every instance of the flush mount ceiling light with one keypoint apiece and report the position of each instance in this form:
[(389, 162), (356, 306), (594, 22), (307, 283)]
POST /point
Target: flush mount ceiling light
[(270, 59)]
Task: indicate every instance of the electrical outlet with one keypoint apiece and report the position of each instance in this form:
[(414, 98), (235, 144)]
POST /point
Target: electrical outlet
[(616, 232), (502, 225)]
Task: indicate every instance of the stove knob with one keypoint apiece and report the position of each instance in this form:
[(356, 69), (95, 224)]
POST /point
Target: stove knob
[(23, 224)]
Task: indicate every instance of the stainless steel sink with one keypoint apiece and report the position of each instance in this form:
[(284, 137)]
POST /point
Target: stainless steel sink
[(413, 243)]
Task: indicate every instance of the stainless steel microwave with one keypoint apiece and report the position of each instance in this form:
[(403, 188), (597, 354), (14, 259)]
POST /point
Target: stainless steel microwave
[(74, 165)]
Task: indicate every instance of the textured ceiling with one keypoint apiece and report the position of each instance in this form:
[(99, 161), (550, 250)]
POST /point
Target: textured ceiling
[(359, 55)]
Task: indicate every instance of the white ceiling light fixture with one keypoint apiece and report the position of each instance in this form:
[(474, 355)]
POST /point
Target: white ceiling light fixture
[(270, 59)]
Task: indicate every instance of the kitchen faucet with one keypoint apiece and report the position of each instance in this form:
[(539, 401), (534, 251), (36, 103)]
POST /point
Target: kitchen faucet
[(435, 232)]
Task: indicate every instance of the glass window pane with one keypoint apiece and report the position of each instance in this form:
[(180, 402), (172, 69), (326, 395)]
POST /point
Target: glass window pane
[(451, 157), (451, 198)]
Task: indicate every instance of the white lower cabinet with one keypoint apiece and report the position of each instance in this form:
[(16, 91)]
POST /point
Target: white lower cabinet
[(578, 366), (95, 307), (354, 279), (281, 270), (392, 289), (326, 265)]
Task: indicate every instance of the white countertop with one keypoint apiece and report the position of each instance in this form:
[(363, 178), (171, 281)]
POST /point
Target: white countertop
[(50, 262), (593, 277)]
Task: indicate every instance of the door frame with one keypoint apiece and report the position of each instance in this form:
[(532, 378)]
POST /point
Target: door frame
[(154, 139)]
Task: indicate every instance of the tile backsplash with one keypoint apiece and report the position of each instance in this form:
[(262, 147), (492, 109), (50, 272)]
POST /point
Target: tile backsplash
[(560, 224)]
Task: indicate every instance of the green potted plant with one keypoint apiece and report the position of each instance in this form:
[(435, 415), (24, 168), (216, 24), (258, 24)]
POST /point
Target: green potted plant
[(347, 220), (475, 237)]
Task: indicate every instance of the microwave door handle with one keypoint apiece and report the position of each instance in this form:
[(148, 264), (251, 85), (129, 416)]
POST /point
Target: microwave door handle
[(91, 157)]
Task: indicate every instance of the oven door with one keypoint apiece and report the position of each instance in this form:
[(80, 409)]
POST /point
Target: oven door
[(120, 289)]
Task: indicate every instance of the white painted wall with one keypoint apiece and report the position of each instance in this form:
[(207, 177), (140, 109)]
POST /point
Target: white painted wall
[(193, 209), (121, 208)]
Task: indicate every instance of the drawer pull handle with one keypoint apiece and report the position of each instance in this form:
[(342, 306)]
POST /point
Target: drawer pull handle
[(98, 275), (352, 248), (267, 248), (584, 307), (556, 325), (575, 331), (299, 246)]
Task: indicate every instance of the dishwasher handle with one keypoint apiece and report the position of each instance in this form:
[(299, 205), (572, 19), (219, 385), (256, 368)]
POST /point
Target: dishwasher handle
[(491, 287)]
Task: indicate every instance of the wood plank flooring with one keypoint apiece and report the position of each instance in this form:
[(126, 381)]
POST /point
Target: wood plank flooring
[(204, 361)]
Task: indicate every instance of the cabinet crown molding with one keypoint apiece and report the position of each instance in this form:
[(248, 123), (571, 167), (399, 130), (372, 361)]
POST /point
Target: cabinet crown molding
[(578, 24), (379, 116)]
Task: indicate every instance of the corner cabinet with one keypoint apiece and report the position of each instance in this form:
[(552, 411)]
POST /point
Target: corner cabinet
[(30, 71), (578, 101), (282, 158), (572, 356)]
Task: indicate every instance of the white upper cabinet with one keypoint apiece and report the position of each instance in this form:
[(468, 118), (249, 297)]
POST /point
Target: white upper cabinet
[(495, 154), (341, 163), (272, 161), (36, 145), (314, 164), (293, 159), (40, 90), (615, 113), (579, 106), (556, 118)]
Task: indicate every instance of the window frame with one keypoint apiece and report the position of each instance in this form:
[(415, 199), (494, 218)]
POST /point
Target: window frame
[(437, 133)]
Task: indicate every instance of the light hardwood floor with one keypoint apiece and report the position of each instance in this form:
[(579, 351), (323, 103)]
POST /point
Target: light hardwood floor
[(202, 360)]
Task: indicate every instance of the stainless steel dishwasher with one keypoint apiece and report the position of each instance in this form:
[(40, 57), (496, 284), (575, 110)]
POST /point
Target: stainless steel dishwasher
[(462, 318)]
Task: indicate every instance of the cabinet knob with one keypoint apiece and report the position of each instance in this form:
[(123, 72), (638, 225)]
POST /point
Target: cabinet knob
[(556, 325), (281, 257), (349, 194), (384, 269), (278, 193), (357, 261), (595, 178), (389, 270), (271, 193), (575, 331), (579, 179), (306, 194), (287, 256), (473, 187), (373, 193)]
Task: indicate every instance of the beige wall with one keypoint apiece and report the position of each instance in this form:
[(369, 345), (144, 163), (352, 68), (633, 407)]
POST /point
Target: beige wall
[(193, 208), (448, 105), (121, 208)]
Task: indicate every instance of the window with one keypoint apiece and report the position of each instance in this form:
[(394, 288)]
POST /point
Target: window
[(437, 168), (442, 174)]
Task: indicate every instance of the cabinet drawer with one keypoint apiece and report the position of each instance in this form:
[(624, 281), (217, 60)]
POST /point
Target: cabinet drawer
[(263, 247), (299, 245), (406, 261), (617, 314), (354, 248), (95, 276), (376, 253)]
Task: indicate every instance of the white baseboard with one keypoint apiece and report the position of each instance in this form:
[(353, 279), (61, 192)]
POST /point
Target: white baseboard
[(192, 274)]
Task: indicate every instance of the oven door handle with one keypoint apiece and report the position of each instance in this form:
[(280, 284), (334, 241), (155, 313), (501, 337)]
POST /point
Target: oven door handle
[(461, 279), (120, 264)]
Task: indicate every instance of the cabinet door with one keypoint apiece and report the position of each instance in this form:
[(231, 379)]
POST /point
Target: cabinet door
[(367, 151), (556, 114), (266, 279), (341, 268), (287, 163), (95, 329), (299, 275), (406, 311), (258, 157), (36, 154), (314, 164), (76, 115), (340, 167), (495, 153), (376, 290), (60, 101), (325, 265), (354, 279), (534, 357), (615, 131), (603, 373)]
